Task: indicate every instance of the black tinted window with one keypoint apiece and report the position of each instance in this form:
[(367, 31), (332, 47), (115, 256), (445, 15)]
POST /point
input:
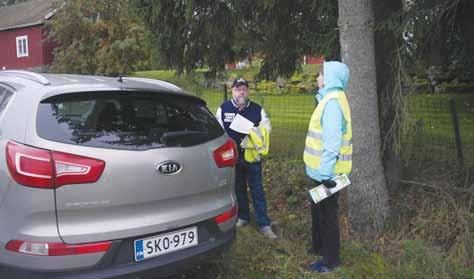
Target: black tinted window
[(126, 120)]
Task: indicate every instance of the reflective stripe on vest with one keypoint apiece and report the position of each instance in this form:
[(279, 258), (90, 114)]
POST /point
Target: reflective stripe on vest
[(314, 140), (256, 144), (319, 136), (319, 153)]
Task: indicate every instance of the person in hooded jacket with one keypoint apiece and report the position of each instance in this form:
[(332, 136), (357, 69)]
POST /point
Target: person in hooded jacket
[(328, 152)]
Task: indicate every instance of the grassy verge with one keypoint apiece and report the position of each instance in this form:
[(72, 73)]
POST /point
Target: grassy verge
[(431, 238)]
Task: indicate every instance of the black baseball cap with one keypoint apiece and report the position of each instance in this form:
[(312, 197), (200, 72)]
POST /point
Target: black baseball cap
[(239, 82)]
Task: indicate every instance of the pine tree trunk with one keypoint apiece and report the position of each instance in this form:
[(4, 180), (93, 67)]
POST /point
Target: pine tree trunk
[(387, 42), (367, 197)]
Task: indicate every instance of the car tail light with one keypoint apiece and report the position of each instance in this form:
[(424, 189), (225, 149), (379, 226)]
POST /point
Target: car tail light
[(41, 168), (30, 166), (56, 249), (74, 169), (226, 154), (226, 216)]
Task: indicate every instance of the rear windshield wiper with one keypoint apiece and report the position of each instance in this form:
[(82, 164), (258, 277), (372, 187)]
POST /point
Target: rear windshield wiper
[(167, 135)]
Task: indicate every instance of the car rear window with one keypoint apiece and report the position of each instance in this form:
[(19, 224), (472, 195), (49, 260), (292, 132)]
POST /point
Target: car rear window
[(5, 96), (128, 120)]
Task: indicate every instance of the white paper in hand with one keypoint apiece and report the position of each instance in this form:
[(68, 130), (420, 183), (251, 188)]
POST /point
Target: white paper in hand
[(320, 192), (241, 124)]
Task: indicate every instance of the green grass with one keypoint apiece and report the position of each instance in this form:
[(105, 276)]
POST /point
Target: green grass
[(390, 256)]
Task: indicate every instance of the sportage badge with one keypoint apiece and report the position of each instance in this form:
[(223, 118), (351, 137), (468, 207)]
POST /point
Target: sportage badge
[(169, 168)]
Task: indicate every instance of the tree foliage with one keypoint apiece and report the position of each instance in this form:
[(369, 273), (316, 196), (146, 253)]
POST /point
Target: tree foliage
[(285, 30), (191, 34), (439, 33), (97, 37)]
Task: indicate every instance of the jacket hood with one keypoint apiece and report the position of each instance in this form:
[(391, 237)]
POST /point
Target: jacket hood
[(336, 77)]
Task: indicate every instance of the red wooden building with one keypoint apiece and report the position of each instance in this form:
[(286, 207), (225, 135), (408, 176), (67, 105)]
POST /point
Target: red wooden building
[(309, 59), (23, 42)]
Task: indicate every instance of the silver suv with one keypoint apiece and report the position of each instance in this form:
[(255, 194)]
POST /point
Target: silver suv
[(104, 177)]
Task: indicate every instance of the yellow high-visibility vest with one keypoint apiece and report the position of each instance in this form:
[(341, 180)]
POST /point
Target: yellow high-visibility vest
[(256, 144), (314, 139)]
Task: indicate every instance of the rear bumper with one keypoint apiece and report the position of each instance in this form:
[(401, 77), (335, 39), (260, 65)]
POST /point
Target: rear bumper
[(116, 264)]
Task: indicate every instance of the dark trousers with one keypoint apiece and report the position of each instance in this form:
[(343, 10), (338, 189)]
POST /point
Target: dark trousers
[(325, 230), (250, 175)]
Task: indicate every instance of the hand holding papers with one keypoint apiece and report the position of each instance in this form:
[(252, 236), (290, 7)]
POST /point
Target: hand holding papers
[(320, 192), (241, 124)]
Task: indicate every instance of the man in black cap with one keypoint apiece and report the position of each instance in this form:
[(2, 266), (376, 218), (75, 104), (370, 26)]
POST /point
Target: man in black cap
[(248, 172)]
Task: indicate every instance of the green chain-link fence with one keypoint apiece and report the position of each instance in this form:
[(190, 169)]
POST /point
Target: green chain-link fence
[(433, 137), (443, 129)]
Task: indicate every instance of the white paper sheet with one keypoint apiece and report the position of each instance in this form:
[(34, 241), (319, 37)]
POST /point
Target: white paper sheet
[(320, 192), (241, 124)]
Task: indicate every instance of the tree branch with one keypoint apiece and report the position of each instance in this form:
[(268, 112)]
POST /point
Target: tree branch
[(469, 190)]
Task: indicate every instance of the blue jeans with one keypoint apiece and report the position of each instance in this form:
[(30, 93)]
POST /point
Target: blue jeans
[(250, 174)]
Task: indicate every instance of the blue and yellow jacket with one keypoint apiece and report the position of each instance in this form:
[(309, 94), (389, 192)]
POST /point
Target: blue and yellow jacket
[(333, 122)]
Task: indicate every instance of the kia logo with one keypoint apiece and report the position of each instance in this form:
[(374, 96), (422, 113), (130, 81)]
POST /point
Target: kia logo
[(168, 168)]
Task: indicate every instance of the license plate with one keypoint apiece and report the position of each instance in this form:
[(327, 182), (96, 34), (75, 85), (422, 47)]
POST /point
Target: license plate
[(166, 243)]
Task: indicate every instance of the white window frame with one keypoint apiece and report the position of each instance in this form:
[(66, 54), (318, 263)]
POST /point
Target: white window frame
[(22, 41)]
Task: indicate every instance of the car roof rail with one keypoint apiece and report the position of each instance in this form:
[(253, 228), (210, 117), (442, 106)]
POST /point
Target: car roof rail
[(26, 74)]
